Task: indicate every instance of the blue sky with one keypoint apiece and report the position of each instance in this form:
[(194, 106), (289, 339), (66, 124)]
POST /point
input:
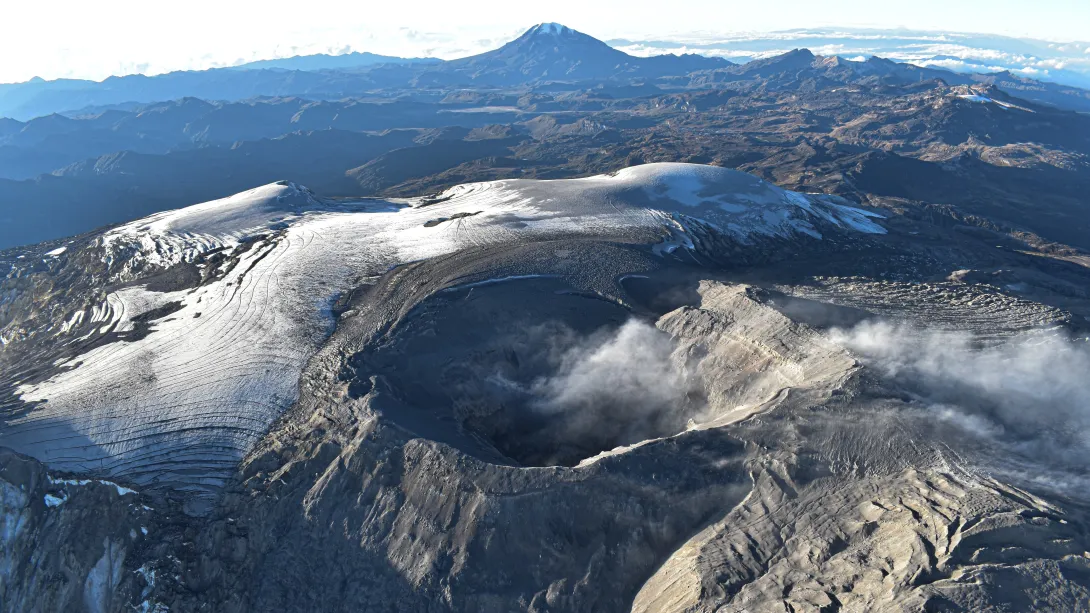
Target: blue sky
[(69, 38)]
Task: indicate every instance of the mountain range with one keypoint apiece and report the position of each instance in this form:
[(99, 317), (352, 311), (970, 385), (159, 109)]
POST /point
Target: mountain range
[(606, 110), (546, 53), (325, 61), (549, 329), (1065, 63)]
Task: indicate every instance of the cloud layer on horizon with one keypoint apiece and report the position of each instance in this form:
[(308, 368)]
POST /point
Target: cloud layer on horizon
[(1067, 63)]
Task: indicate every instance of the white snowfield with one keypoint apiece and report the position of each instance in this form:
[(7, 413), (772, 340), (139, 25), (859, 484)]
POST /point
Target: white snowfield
[(180, 406), (973, 97)]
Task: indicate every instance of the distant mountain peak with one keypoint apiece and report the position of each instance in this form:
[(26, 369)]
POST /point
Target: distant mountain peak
[(547, 44), (555, 34), (555, 52), (550, 29)]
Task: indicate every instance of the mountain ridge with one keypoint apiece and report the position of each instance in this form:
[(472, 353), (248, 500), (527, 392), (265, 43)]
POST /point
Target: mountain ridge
[(550, 51), (326, 61), (544, 53)]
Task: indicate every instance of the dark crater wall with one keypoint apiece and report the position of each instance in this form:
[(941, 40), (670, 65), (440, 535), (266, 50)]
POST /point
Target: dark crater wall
[(470, 365)]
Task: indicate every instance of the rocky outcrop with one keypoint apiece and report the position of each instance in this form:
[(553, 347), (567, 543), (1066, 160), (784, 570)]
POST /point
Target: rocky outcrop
[(68, 544), (928, 540), (750, 356)]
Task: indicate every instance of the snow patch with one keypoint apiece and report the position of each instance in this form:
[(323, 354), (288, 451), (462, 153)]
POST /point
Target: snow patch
[(497, 280), (171, 237), (55, 501), (121, 490), (986, 100), (147, 606), (552, 29)]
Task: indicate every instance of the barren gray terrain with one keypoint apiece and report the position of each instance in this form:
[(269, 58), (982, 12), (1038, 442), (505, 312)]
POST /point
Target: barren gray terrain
[(674, 387)]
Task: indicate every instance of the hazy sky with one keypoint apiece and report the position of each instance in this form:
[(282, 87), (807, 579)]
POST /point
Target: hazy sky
[(78, 38)]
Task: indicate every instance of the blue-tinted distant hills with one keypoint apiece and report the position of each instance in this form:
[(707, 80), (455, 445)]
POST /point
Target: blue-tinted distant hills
[(35, 99), (1062, 63), (545, 54), (322, 61), (542, 54)]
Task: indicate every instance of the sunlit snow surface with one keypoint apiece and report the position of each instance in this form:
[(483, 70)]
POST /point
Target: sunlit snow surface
[(987, 100), (179, 407)]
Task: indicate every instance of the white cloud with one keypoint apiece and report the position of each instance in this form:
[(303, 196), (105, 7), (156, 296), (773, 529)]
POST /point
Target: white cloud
[(960, 52), (96, 39), (1029, 392)]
